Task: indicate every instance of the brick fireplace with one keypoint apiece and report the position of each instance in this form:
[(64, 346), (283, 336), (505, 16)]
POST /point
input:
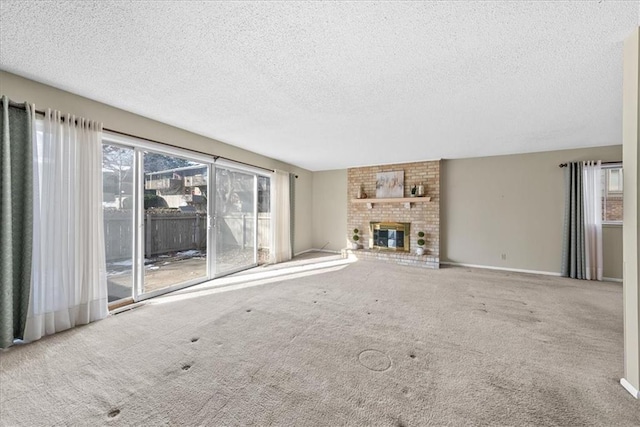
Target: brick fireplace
[(418, 213)]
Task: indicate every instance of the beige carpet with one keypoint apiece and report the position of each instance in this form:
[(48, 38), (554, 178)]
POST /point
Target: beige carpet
[(363, 344)]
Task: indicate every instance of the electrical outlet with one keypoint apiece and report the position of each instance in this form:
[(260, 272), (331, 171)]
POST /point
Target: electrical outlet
[(504, 257)]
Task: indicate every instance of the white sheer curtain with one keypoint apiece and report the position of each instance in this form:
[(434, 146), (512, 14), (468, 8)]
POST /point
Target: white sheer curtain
[(280, 217), (592, 192), (68, 284)]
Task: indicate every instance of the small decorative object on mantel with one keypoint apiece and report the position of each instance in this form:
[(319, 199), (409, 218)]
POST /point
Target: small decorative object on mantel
[(389, 184), (361, 193), (421, 242), (356, 238), (414, 191), (420, 190)]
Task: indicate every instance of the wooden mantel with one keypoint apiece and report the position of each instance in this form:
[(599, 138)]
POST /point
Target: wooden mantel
[(406, 201)]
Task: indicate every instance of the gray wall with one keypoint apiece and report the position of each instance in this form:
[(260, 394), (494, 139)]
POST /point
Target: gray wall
[(20, 89), (631, 211), (612, 251), (514, 205), (329, 210)]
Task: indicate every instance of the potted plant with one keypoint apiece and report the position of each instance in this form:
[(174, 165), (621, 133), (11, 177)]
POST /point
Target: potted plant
[(421, 242), (356, 238)]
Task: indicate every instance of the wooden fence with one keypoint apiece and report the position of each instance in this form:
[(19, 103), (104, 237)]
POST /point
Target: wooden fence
[(166, 232), (118, 235)]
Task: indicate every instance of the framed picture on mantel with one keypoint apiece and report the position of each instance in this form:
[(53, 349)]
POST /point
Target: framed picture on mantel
[(389, 184)]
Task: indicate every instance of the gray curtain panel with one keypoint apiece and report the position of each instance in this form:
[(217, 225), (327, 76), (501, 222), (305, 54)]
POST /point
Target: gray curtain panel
[(573, 249), (16, 219)]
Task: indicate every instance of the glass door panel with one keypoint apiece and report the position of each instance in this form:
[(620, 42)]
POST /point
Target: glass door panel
[(175, 221), (117, 205), (264, 219), (235, 220)]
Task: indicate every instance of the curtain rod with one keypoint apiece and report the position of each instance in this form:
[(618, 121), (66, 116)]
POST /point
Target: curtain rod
[(564, 165), (215, 157)]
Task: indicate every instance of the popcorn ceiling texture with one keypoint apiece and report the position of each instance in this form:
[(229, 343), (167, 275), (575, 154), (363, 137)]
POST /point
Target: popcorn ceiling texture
[(330, 85), (423, 215)]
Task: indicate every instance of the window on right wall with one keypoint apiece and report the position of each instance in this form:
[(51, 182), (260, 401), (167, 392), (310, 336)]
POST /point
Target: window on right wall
[(612, 185)]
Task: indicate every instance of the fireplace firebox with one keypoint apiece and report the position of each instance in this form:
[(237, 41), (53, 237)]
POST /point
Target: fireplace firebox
[(389, 236)]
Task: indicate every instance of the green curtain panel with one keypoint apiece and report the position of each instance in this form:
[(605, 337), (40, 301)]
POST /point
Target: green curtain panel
[(16, 216), (573, 248)]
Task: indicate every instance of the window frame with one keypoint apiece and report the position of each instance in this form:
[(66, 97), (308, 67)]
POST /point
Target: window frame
[(605, 191), (140, 145), (608, 181)]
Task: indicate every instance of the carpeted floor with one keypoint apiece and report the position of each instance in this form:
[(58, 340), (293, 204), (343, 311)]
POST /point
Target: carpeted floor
[(360, 344)]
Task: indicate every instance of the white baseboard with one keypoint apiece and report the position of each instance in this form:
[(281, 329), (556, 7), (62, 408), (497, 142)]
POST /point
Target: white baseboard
[(127, 307), (485, 267), (519, 270), (630, 388), (316, 250), (490, 267)]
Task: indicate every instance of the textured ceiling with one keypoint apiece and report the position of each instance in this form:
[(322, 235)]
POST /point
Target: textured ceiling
[(327, 85)]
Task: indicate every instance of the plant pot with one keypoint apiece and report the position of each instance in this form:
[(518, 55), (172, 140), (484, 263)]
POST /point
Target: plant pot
[(420, 251)]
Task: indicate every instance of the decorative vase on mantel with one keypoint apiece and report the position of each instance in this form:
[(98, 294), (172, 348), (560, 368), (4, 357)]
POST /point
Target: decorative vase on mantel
[(361, 194)]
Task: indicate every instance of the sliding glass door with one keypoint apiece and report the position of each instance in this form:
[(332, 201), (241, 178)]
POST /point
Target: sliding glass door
[(159, 233), (175, 221), (117, 205), (235, 220)]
